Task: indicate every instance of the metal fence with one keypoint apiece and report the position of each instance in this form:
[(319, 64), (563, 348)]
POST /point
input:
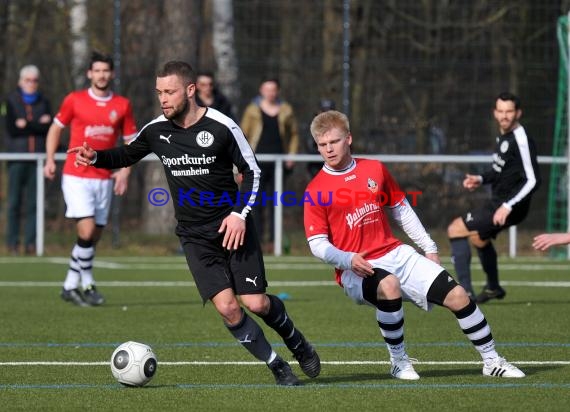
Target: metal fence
[(278, 160)]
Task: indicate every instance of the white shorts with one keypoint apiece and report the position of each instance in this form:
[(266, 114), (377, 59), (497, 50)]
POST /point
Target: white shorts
[(415, 272), (87, 197)]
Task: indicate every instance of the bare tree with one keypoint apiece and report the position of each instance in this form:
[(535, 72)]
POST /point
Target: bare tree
[(331, 63), (225, 48), (360, 54), (14, 26), (79, 41)]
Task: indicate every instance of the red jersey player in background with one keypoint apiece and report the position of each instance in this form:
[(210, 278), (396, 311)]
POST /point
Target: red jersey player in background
[(347, 226), (97, 117)]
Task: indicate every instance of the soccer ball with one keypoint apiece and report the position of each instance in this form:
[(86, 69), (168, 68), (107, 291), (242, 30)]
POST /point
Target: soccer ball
[(133, 364)]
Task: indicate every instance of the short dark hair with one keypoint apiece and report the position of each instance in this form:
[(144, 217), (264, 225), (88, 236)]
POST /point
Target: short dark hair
[(205, 74), (180, 69), (100, 57), (508, 96)]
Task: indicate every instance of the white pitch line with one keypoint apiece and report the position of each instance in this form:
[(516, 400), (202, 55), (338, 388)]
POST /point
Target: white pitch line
[(341, 363), (268, 259), (544, 284), (255, 363), (277, 283), (118, 283), (298, 266), (291, 263)]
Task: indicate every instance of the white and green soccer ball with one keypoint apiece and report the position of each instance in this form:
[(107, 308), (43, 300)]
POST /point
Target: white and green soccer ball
[(133, 364)]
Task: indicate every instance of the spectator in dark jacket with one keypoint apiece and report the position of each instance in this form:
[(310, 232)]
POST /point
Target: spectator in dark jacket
[(28, 117)]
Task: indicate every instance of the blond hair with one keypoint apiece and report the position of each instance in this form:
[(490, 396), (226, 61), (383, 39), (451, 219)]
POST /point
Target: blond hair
[(329, 120)]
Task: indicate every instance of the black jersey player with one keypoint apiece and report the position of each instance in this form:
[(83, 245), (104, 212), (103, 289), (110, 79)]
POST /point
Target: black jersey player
[(198, 147), (514, 177)]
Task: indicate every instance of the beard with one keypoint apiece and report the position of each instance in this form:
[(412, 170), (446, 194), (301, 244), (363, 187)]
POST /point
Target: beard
[(507, 125), (102, 85), (178, 113)]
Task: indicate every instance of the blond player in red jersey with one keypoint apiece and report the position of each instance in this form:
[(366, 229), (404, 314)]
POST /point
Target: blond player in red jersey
[(97, 117), (347, 226)]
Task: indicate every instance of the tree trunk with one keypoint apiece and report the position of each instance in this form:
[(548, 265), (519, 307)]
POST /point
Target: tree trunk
[(7, 10), (79, 41), (360, 49), (225, 49), (178, 40), (332, 49)]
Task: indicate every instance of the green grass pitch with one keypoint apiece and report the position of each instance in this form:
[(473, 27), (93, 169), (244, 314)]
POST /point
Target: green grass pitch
[(55, 356)]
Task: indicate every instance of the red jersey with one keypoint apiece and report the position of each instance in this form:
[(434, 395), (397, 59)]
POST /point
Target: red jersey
[(347, 208), (99, 121)]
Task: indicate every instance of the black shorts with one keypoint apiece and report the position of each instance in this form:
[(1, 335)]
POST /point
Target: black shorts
[(481, 219), (215, 268)]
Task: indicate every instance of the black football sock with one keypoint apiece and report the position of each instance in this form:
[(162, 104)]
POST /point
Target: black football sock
[(488, 257), (84, 250), (461, 257), (390, 317), (475, 327), (278, 320), (251, 336)]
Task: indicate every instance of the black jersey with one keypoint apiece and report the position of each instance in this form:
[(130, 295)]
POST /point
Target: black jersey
[(515, 174), (198, 162)]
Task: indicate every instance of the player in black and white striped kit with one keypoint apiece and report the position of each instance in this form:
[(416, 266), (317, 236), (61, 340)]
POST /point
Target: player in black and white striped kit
[(514, 177), (198, 147)]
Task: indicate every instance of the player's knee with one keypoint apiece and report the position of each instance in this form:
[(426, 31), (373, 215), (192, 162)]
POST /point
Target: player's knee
[(229, 309), (258, 303), (455, 228), (371, 289), (389, 288), (456, 299), (478, 242)]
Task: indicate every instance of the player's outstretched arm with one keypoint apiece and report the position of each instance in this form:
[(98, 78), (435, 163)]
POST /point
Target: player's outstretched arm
[(84, 155), (546, 240)]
